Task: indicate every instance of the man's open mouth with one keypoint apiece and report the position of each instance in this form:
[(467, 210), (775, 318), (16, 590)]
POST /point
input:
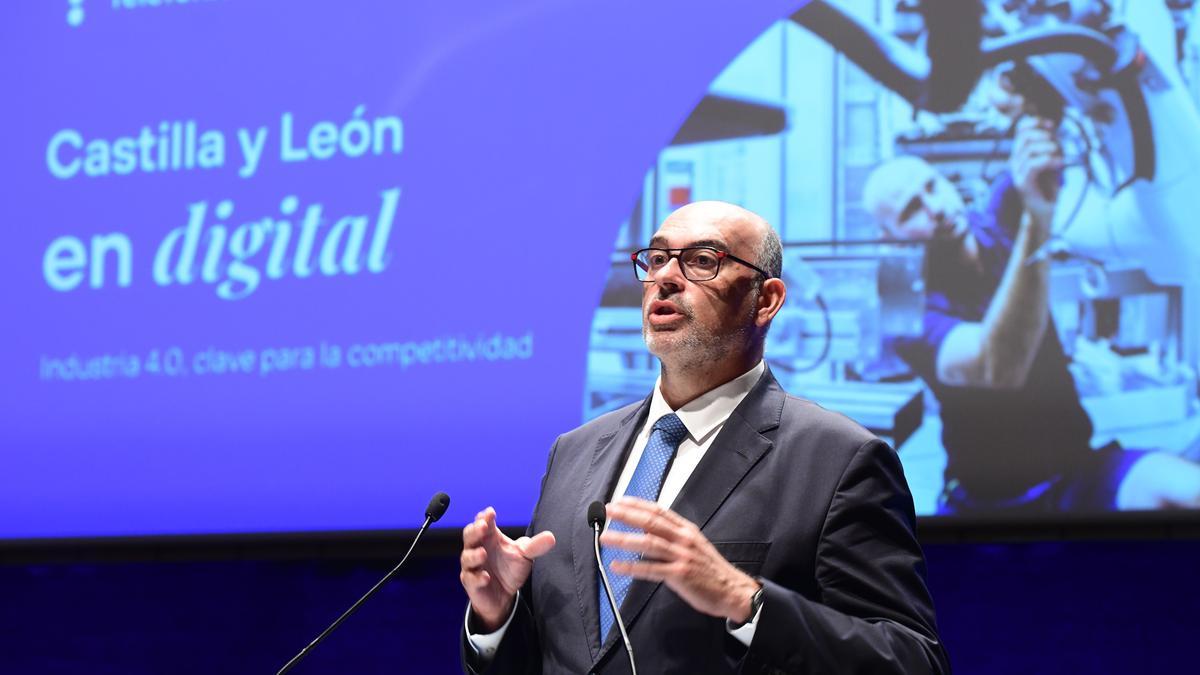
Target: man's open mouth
[(661, 313)]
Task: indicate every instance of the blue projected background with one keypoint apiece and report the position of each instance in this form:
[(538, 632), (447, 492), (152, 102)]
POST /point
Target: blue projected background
[(275, 266), (296, 266)]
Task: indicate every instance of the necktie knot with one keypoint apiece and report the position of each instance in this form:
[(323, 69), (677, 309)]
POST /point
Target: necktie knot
[(672, 428)]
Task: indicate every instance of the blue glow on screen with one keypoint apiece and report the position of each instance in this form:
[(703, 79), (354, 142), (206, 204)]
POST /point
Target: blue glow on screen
[(274, 266), (277, 266)]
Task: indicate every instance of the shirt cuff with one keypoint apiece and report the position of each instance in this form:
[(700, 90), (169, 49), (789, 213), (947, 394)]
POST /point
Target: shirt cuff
[(486, 644), (744, 633)]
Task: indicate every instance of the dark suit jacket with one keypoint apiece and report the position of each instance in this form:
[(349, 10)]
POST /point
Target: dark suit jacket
[(802, 497)]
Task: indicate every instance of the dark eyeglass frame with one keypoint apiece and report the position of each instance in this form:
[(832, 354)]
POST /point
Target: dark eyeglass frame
[(678, 253)]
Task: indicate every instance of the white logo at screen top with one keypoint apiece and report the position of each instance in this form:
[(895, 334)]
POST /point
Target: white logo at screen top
[(75, 13)]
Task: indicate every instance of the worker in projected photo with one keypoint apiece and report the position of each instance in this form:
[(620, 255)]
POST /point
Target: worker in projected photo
[(1016, 436)]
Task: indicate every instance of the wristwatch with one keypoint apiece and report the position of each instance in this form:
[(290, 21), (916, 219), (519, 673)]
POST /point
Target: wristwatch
[(756, 602)]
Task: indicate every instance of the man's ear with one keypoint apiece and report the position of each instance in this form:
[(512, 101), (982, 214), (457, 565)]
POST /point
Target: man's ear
[(770, 298)]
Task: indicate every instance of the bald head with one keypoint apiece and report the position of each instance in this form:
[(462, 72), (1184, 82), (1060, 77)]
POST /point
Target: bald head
[(745, 233), (713, 210), (913, 200), (889, 183), (712, 328)]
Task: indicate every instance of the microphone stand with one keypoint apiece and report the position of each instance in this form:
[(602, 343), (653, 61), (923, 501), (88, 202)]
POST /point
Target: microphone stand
[(304, 652), (612, 600)]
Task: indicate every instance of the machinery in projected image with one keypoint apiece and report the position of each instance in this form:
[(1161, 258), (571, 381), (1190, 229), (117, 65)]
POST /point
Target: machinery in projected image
[(846, 301), (1115, 66), (1125, 240), (1123, 251)]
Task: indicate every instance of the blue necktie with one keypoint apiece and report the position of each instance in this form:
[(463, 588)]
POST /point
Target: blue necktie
[(646, 483)]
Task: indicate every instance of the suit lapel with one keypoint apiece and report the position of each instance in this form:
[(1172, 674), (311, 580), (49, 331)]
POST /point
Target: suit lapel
[(737, 448), (735, 451), (607, 459)]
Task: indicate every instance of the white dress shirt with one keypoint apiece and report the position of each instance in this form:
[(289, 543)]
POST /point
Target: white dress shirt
[(703, 417)]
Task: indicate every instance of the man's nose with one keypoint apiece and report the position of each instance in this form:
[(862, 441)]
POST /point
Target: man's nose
[(670, 275)]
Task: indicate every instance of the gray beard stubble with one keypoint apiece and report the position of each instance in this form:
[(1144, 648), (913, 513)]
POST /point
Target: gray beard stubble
[(699, 347)]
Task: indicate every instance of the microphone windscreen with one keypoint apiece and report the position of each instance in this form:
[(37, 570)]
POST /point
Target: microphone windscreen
[(437, 507), (595, 513)]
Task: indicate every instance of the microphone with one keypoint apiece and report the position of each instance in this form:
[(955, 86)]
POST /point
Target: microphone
[(436, 509), (595, 518), (596, 514)]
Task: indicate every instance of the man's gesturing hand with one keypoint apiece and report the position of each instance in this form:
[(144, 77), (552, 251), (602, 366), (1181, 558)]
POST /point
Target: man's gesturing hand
[(675, 552), (494, 567)]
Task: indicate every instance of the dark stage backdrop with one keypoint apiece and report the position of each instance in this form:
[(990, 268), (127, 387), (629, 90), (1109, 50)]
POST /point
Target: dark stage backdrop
[(1041, 607)]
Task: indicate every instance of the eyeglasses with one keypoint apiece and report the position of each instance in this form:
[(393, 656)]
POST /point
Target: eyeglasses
[(698, 263)]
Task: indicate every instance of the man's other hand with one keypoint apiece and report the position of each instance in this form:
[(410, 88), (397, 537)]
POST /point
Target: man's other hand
[(494, 567), (675, 552)]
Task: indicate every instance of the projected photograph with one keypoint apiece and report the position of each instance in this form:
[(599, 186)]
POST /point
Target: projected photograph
[(254, 297), (991, 247)]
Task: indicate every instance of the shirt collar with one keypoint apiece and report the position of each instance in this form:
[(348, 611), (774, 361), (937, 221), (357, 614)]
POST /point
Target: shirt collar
[(702, 415)]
